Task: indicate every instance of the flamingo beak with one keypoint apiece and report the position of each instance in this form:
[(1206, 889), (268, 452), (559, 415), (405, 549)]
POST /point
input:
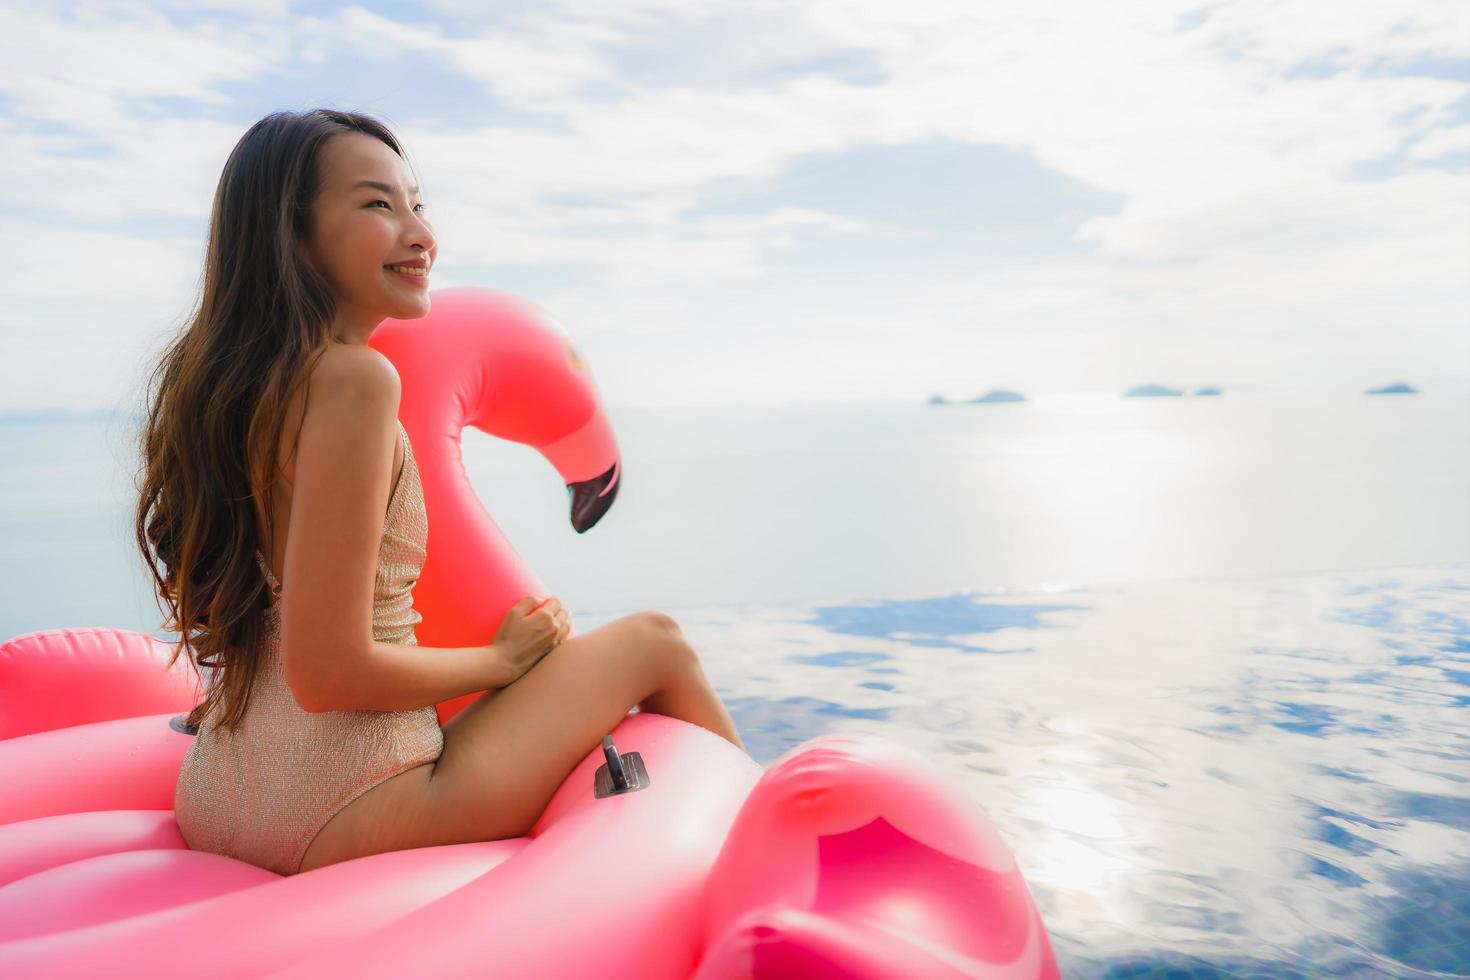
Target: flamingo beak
[(591, 499)]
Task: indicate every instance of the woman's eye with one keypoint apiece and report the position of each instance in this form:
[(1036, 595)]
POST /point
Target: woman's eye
[(371, 203)]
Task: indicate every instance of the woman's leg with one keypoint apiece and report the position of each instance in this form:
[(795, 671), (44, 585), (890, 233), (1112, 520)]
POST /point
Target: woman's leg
[(505, 756), (507, 753), (693, 699)]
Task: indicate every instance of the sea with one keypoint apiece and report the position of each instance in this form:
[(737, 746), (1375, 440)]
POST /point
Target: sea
[(1204, 661)]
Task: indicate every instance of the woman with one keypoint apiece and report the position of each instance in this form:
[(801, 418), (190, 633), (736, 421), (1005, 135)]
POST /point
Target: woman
[(280, 504)]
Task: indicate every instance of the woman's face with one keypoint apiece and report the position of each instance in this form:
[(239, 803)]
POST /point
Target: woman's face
[(359, 231)]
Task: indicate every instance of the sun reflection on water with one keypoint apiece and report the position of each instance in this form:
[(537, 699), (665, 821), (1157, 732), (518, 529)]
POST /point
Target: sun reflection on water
[(1203, 777)]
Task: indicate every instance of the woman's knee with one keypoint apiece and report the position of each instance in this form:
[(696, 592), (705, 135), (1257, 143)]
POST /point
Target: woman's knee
[(667, 637), (660, 621), (656, 647)]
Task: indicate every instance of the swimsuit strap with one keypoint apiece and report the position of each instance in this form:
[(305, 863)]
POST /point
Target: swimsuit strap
[(269, 577)]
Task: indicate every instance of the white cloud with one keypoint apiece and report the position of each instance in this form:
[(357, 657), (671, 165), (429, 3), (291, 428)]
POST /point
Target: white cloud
[(83, 70), (1441, 142), (1230, 145)]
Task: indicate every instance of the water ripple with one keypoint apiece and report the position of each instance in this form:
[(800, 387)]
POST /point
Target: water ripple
[(1200, 779)]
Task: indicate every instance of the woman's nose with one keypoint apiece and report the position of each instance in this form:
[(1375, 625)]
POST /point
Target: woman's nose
[(420, 235)]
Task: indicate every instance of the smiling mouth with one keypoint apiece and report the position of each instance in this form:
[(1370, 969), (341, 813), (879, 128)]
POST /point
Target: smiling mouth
[(419, 280)]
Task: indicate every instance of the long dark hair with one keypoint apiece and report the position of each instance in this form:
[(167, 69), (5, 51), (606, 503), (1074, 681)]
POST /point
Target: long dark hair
[(217, 400)]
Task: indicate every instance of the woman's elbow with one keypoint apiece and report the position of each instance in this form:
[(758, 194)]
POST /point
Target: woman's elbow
[(311, 694)]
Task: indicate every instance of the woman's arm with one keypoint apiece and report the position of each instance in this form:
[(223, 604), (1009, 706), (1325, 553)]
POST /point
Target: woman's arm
[(343, 477), (398, 677)]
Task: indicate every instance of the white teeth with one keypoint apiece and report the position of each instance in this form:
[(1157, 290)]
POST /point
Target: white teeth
[(411, 270)]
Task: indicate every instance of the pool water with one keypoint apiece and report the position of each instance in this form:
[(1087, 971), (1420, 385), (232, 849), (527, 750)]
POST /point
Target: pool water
[(1207, 778)]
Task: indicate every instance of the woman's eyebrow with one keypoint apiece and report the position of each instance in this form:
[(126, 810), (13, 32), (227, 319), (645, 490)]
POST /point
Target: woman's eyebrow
[(379, 185)]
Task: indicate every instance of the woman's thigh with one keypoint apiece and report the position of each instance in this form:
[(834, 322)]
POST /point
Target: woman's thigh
[(392, 816), (506, 754)]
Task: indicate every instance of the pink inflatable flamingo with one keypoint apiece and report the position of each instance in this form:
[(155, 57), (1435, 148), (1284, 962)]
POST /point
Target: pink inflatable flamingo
[(666, 853)]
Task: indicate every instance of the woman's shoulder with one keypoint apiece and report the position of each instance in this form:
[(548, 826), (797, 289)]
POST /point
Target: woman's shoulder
[(356, 374)]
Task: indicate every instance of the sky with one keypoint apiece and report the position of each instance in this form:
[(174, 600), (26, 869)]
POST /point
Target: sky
[(732, 203)]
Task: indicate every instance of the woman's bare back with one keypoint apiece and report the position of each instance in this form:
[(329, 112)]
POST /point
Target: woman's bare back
[(280, 518)]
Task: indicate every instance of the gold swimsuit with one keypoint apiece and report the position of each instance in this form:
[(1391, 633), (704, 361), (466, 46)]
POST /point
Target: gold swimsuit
[(262, 791)]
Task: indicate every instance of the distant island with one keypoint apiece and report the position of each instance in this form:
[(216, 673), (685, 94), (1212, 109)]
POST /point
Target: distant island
[(1207, 391), (1397, 388), (991, 396), (998, 395), (1152, 391)]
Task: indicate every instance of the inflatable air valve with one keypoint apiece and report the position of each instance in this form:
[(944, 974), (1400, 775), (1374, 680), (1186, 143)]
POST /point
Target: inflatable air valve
[(621, 773)]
